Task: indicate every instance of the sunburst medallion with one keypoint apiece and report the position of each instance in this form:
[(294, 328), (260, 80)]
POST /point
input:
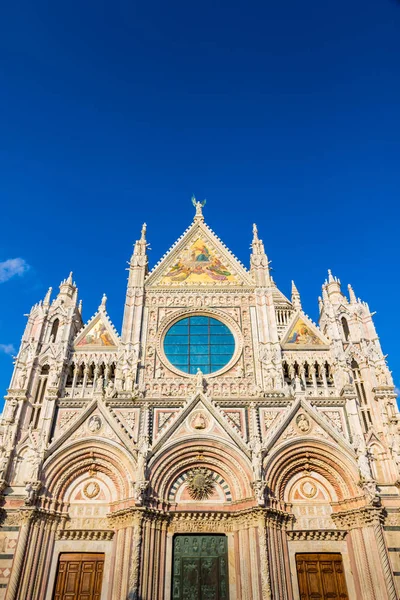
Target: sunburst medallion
[(200, 483)]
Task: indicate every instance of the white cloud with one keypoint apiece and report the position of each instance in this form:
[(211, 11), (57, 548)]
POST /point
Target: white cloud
[(7, 348), (11, 267)]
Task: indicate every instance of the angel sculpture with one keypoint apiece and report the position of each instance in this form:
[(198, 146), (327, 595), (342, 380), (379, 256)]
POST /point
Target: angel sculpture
[(198, 206)]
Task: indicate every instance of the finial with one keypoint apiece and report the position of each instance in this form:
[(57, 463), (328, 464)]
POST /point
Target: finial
[(46, 300), (320, 303), (103, 302), (198, 206), (330, 276), (353, 299), (143, 235), (69, 280), (80, 306)]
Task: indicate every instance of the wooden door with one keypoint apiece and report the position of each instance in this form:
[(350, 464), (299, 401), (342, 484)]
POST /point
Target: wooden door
[(200, 567), (79, 577), (321, 577)]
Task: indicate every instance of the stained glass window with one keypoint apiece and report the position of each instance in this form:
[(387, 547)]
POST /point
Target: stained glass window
[(199, 342)]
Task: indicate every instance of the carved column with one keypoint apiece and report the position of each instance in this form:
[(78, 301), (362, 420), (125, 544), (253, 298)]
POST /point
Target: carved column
[(384, 556), (264, 561), (279, 576), (135, 558), (19, 558)]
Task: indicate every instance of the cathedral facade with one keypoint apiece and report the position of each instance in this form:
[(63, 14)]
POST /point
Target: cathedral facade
[(221, 447)]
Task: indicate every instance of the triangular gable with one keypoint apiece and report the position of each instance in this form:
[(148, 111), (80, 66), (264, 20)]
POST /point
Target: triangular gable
[(303, 420), (199, 258), (98, 334), (302, 334), (86, 425), (214, 421)]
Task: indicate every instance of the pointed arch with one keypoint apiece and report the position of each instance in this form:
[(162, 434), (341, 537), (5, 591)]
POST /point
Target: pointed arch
[(228, 464), (294, 457), (69, 463)]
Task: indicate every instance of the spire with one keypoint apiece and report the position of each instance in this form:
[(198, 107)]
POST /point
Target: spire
[(199, 208), (103, 303), (80, 307), (143, 233), (353, 299), (296, 300), (69, 280), (46, 301), (320, 304), (259, 260)]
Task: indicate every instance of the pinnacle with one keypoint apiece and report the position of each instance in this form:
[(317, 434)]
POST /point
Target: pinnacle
[(46, 300), (353, 299)]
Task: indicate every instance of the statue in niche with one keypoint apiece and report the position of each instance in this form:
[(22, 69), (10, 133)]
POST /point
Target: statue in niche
[(239, 372), (142, 452), (256, 457), (363, 465), (159, 372), (54, 377), (199, 381), (22, 377)]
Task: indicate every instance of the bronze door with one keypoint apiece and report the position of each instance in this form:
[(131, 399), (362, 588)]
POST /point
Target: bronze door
[(79, 577), (200, 567), (321, 577)]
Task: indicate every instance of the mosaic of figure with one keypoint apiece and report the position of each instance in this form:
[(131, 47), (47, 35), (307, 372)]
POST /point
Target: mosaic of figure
[(96, 336), (302, 335), (198, 264)]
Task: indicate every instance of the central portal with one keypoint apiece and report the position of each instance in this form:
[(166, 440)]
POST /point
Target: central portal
[(200, 567)]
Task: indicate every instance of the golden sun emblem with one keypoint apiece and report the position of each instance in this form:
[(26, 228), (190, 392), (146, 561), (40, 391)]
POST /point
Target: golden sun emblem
[(200, 484)]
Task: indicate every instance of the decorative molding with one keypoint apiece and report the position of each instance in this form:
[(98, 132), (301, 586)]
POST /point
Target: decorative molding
[(85, 534), (325, 535)]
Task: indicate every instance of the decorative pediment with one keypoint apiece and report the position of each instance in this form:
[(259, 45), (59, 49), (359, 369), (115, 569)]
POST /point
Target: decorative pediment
[(98, 334), (95, 421), (200, 417), (303, 421), (199, 258), (302, 334)]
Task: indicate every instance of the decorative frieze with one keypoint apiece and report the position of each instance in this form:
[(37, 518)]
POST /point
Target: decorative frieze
[(317, 535)]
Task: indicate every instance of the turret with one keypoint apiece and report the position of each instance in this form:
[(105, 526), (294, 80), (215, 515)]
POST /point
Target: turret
[(333, 289)]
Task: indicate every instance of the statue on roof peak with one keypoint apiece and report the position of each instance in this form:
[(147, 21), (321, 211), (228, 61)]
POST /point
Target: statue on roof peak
[(198, 206)]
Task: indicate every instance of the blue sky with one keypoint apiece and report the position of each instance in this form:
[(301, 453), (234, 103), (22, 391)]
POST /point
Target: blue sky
[(112, 114)]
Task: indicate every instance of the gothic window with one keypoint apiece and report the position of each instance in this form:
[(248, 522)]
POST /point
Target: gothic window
[(54, 330), (199, 342), (346, 329), (361, 395), (70, 375), (39, 396)]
